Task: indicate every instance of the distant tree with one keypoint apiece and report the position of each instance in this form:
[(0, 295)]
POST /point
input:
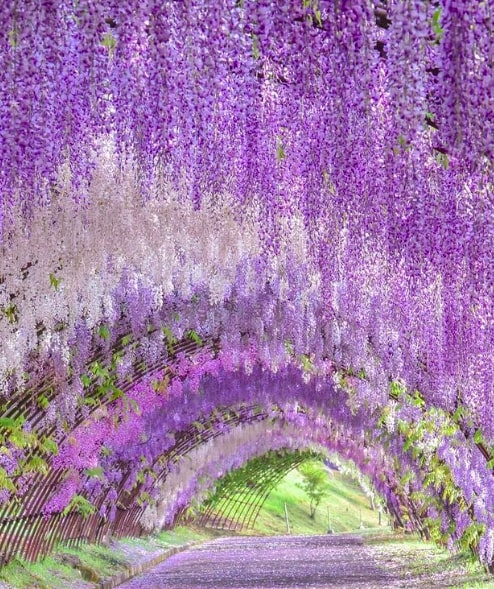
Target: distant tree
[(313, 484)]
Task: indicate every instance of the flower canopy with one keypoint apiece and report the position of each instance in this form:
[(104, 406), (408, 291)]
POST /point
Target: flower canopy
[(282, 210)]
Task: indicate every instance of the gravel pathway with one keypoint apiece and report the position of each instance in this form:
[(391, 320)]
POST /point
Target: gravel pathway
[(293, 562)]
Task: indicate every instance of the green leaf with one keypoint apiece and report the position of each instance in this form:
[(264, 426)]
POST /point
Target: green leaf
[(36, 464), (459, 414), (194, 336), (54, 281), (116, 357), (10, 423), (403, 427), (10, 312), (408, 443), (170, 338), (81, 505), (117, 394), (471, 536), (449, 430), (43, 401), (109, 42), (436, 24), (402, 142), (21, 439), (161, 386), (5, 481), (49, 446), (144, 498), (436, 16), (104, 332), (407, 477), (418, 400), (99, 371), (86, 380), (255, 47), (317, 14), (443, 160), (280, 151), (306, 363), (478, 437), (96, 472), (13, 37), (384, 415), (105, 451), (395, 389), (429, 479)]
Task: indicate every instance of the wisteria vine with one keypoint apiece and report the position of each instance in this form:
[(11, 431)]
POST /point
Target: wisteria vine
[(302, 191)]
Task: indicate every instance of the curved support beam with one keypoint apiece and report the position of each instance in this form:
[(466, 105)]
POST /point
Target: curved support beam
[(129, 508), (240, 495)]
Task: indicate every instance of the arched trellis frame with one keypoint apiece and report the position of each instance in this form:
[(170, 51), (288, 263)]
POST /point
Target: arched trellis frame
[(382, 171), (240, 496), (31, 533), (26, 531)]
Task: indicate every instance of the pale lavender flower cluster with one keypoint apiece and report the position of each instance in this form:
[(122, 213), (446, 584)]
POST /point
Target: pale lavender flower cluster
[(219, 213)]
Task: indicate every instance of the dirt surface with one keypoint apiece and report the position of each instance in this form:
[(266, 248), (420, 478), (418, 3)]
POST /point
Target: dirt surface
[(317, 562)]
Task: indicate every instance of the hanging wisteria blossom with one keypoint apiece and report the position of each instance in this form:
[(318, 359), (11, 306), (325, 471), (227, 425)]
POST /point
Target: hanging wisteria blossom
[(221, 218)]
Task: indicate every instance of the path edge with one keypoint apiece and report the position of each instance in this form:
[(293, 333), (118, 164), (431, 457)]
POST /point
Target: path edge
[(131, 571)]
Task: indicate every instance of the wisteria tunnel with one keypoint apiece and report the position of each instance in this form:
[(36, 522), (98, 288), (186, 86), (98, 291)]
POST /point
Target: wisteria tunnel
[(233, 229)]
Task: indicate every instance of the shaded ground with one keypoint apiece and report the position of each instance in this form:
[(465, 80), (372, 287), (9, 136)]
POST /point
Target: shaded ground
[(317, 562)]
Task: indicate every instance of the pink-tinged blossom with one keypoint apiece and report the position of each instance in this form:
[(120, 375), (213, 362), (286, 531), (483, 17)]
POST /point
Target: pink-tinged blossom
[(216, 206)]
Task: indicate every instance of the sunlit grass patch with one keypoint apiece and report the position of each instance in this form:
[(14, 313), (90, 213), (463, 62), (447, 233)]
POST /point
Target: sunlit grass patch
[(345, 502), (46, 574)]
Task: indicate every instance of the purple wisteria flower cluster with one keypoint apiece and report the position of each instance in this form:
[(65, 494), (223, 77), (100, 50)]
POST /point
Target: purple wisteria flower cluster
[(221, 217)]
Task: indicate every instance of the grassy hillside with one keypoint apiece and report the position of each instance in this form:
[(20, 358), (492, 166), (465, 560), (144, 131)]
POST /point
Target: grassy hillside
[(345, 503)]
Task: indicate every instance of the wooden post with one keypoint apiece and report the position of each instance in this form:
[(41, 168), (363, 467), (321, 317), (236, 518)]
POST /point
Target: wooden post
[(287, 520), (330, 529)]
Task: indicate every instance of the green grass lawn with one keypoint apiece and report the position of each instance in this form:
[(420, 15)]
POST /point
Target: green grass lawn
[(345, 502)]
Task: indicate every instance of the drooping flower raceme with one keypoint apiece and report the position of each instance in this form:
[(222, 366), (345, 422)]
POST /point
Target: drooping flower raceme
[(210, 204)]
